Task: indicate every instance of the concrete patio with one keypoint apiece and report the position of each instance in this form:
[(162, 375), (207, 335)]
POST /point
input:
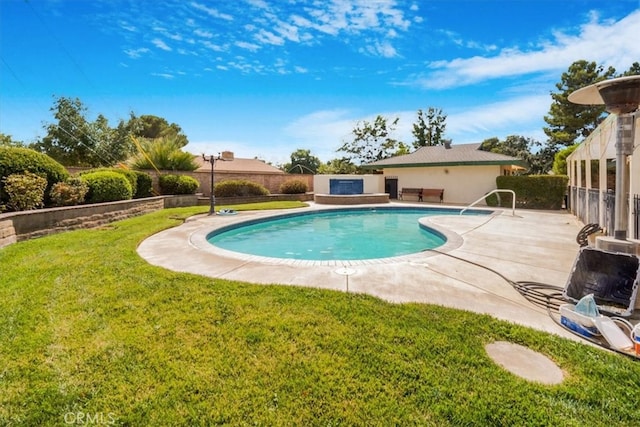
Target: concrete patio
[(535, 246)]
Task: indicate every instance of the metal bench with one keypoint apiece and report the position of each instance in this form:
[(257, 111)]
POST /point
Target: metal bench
[(423, 192)]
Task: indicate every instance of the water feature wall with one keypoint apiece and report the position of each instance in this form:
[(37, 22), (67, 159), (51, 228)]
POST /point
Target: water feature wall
[(371, 184)]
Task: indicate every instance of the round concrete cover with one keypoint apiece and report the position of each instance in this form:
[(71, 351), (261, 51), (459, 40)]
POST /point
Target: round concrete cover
[(524, 362)]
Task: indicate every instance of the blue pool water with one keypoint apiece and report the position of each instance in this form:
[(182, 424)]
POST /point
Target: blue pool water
[(345, 234)]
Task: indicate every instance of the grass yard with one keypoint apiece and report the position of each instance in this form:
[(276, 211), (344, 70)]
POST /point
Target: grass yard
[(92, 334)]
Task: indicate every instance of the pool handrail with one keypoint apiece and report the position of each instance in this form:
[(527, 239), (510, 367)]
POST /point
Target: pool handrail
[(513, 200)]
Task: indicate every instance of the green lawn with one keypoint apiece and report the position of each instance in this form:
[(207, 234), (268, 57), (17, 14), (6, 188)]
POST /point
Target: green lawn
[(90, 331)]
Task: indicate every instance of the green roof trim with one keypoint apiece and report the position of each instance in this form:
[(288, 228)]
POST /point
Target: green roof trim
[(440, 164), (454, 155)]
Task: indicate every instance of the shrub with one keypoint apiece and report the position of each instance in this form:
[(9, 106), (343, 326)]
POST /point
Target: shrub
[(144, 185), (69, 193), (127, 173), (163, 153), (18, 160), (107, 186), (177, 184), (187, 185), (532, 191), (168, 184), (24, 191), (294, 186), (239, 188)]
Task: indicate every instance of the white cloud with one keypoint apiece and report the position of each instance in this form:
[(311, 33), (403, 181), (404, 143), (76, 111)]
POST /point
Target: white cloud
[(203, 33), (248, 46), (160, 45), (268, 37), (211, 12), (378, 48), (136, 53), (163, 75), (509, 114), (609, 43)]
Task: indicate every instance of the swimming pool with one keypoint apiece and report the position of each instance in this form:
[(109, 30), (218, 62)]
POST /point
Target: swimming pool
[(336, 234)]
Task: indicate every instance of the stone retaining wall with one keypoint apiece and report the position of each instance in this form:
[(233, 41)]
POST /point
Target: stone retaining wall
[(18, 226)]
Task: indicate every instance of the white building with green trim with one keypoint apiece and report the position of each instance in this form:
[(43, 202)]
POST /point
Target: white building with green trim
[(464, 171)]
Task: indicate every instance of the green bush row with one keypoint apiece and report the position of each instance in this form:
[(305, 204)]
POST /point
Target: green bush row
[(239, 188), (532, 191), (141, 182)]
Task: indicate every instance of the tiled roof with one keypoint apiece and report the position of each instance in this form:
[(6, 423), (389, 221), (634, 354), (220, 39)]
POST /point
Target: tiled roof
[(439, 155), (238, 165)]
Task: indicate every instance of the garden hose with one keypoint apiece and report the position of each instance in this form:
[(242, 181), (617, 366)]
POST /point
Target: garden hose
[(543, 295), (583, 235)]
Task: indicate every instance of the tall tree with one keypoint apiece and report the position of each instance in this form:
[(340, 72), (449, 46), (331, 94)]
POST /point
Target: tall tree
[(302, 162), (75, 141), (69, 141), (372, 141), (154, 127), (567, 121), (429, 128)]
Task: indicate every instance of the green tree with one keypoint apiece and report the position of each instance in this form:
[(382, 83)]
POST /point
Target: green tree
[(338, 166), (69, 140), (634, 70), (539, 160), (429, 128), (568, 121), (560, 159), (154, 127), (372, 141), (302, 162), (75, 141), (8, 141)]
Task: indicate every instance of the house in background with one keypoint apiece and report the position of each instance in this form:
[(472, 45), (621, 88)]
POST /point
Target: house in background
[(464, 171), (254, 170)]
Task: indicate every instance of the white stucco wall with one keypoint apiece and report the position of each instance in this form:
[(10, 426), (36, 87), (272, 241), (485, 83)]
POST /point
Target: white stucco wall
[(371, 184), (462, 184)]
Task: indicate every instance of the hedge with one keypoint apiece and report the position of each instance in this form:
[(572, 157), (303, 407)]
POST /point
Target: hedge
[(532, 191)]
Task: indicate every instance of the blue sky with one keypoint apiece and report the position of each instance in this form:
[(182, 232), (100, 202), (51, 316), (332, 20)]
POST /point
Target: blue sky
[(264, 78)]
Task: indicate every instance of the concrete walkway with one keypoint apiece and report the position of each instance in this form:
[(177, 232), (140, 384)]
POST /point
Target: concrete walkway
[(530, 246)]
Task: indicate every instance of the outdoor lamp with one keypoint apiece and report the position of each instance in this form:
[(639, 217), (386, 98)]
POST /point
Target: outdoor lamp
[(226, 156)]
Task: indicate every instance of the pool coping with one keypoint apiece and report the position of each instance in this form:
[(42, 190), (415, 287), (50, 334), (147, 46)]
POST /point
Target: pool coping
[(463, 274)]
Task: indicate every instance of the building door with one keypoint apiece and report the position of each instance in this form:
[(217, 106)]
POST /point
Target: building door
[(391, 187)]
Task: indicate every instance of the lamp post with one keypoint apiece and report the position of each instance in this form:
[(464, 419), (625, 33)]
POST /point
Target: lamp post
[(620, 96), (224, 156)]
